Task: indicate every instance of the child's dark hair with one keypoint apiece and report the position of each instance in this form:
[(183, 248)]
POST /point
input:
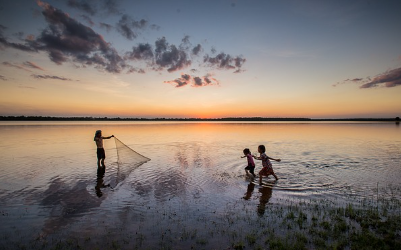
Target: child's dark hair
[(247, 151), (262, 148), (97, 134)]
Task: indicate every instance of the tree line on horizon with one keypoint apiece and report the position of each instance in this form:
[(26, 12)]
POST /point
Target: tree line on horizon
[(88, 118)]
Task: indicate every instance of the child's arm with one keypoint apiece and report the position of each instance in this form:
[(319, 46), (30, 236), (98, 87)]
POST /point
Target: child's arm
[(274, 159), (108, 137)]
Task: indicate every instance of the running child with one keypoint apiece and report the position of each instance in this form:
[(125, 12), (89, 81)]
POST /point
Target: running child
[(267, 166), (251, 163)]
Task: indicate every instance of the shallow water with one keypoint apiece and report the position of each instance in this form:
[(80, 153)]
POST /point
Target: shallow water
[(49, 173)]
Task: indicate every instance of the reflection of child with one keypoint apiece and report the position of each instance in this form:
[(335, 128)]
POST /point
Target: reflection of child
[(99, 181), (101, 155), (264, 199), (251, 163), (267, 166), (249, 191)]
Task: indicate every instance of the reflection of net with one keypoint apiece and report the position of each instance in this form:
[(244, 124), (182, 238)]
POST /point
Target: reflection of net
[(128, 160)]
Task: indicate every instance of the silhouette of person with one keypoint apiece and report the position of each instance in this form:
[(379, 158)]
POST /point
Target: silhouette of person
[(101, 155), (249, 191), (99, 181), (266, 194)]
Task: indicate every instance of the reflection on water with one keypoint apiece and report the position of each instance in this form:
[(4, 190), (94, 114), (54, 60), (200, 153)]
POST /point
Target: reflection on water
[(49, 182), (101, 170), (265, 195), (65, 203)]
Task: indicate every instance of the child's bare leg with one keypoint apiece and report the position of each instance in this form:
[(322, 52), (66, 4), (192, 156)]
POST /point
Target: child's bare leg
[(260, 178), (275, 176)]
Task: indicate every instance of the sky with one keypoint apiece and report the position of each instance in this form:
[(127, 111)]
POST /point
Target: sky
[(203, 59)]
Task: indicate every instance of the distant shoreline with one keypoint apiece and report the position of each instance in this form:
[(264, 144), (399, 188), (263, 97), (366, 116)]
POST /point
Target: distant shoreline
[(52, 118)]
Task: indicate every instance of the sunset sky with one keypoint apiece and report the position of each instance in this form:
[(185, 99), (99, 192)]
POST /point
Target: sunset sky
[(201, 58)]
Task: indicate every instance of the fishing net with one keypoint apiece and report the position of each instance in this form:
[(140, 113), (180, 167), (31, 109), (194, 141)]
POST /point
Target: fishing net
[(128, 160)]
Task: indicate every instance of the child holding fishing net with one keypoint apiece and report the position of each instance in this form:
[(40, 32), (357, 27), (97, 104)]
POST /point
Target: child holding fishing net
[(101, 155)]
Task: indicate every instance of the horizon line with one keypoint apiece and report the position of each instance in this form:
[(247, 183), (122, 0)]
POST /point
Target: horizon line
[(256, 118)]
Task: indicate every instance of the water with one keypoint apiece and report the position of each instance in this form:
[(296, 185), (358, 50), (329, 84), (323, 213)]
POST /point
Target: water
[(195, 176)]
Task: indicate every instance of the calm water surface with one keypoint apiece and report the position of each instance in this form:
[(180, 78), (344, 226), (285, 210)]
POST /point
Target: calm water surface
[(49, 172)]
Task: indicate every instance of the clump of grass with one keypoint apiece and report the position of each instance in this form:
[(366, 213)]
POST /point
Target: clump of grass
[(239, 245), (251, 238)]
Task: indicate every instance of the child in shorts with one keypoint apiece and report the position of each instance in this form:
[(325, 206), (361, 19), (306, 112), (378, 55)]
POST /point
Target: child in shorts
[(101, 155), (251, 163)]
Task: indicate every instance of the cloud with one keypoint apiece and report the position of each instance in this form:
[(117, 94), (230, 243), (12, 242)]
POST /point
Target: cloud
[(106, 26), (155, 27), (165, 56), (388, 79), (194, 81), (15, 66), (127, 26), (66, 39), (169, 56), (50, 77), (355, 80), (82, 5), (25, 87), (3, 78), (88, 20), (91, 7), (111, 6), (196, 49), (136, 70), (143, 51), (225, 61), (32, 65), (4, 42), (161, 56)]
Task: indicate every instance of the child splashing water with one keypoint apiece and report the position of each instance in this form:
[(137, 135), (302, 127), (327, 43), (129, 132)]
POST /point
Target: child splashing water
[(267, 166), (251, 163)]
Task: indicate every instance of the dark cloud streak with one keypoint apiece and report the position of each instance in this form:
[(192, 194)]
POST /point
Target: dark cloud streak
[(194, 81), (15, 66), (24, 47), (32, 65), (82, 5), (106, 26), (225, 61), (50, 77), (127, 27), (92, 7), (389, 79)]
